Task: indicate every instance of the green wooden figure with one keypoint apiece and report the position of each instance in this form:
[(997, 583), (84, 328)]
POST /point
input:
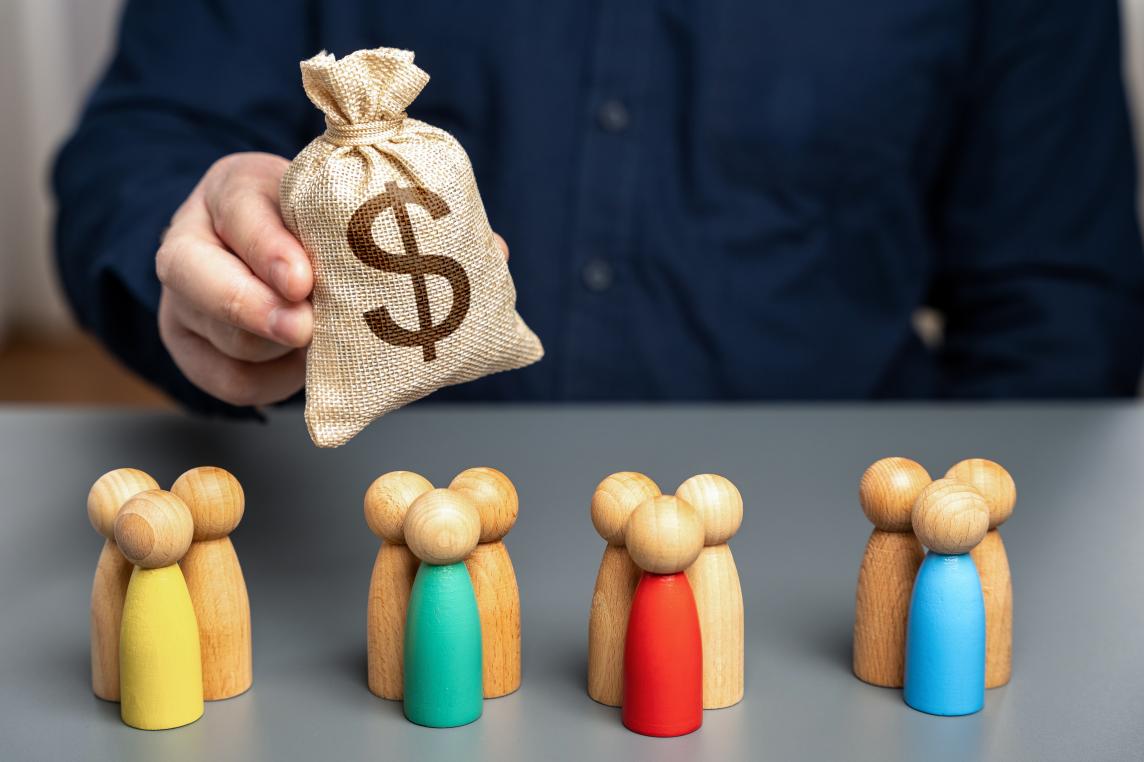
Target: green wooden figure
[(443, 684)]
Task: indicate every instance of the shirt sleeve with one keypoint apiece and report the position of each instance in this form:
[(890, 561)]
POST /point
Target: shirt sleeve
[(1040, 273), (191, 81)]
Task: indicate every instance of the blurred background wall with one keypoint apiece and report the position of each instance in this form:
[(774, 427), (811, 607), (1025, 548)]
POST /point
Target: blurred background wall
[(1133, 27), (50, 53)]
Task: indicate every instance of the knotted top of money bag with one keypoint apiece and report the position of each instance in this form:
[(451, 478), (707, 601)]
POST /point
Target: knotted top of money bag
[(411, 292)]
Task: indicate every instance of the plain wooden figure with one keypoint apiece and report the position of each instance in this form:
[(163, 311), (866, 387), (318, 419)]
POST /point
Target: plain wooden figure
[(387, 502), (160, 668), (112, 574), (214, 578), (887, 493), (493, 576), (612, 504), (945, 637), (663, 651), (714, 581), (1000, 493), (443, 665)]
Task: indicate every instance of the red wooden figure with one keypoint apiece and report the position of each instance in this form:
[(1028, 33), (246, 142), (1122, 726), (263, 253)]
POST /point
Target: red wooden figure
[(663, 651), (663, 659)]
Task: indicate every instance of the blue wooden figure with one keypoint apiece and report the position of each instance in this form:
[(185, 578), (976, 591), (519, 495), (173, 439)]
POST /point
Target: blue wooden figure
[(945, 637)]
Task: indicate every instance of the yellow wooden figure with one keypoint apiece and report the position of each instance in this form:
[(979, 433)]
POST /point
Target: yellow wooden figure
[(160, 669)]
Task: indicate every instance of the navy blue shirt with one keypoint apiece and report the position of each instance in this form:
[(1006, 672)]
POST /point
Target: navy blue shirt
[(704, 200)]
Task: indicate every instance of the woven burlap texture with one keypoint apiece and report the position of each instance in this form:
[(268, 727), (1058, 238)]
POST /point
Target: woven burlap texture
[(374, 166)]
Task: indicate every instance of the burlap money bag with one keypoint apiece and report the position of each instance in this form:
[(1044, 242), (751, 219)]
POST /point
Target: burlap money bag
[(410, 291)]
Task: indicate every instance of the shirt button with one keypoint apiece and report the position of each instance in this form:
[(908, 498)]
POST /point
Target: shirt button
[(598, 276), (613, 116)]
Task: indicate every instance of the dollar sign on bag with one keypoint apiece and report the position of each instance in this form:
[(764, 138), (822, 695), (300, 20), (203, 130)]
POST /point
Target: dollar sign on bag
[(414, 263)]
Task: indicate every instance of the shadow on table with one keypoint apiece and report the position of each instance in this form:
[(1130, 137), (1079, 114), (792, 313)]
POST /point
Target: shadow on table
[(352, 664), (832, 643), (819, 630), (571, 667)]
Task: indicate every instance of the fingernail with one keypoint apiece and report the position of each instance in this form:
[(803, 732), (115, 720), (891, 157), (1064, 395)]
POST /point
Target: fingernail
[(286, 324), (280, 275)]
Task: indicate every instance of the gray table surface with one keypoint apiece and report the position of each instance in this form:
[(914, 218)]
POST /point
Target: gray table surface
[(1074, 544)]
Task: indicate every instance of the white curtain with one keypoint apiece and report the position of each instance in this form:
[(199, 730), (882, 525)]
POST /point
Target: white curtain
[(50, 52), (1133, 28)]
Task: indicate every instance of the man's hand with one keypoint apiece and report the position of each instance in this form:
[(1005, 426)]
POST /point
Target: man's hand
[(234, 310)]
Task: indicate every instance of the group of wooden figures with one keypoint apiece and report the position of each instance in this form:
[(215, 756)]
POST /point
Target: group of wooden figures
[(443, 628), (939, 625), (170, 622), (665, 632), (170, 617)]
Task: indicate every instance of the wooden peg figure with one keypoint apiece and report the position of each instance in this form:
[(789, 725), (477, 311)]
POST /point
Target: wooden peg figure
[(945, 637), (160, 672), (612, 504), (1000, 493), (663, 651), (387, 502), (493, 576), (714, 581), (214, 578), (887, 493), (112, 574), (443, 672)]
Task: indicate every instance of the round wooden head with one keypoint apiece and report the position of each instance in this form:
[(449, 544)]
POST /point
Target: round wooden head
[(442, 527), (719, 504), (215, 499), (495, 497), (993, 482), (888, 491), (664, 535), (387, 502), (110, 492), (615, 499), (154, 529), (950, 517)]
